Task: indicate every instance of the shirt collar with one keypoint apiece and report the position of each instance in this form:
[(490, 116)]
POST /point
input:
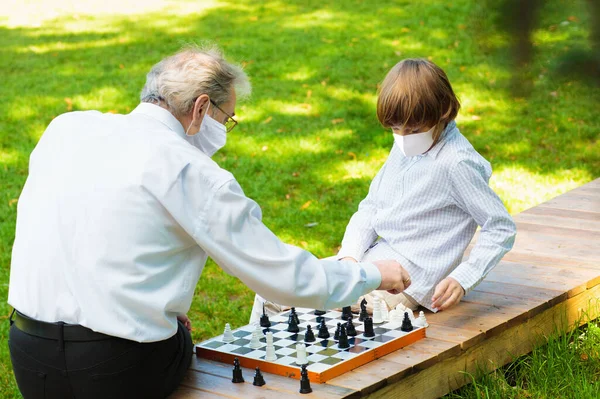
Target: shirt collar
[(160, 114), (448, 132)]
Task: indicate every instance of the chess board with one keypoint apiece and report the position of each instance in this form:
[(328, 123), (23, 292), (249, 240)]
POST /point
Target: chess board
[(325, 359)]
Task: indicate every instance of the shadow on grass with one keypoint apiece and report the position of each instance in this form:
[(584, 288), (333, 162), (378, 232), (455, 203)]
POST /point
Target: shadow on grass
[(309, 132)]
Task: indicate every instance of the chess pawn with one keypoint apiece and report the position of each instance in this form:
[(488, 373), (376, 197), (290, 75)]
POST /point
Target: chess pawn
[(270, 355), (259, 380), (377, 319), (227, 334), (255, 340), (350, 330), (343, 342), (422, 321), (336, 334), (301, 354), (309, 336), (406, 324), (323, 331), (304, 381)]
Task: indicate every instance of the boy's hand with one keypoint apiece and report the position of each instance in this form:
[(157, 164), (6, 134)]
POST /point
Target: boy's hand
[(186, 321), (394, 279), (447, 294)]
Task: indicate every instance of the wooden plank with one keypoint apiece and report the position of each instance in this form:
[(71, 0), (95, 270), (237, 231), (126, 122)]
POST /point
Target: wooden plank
[(544, 297), (561, 247), (572, 201), (585, 237), (465, 338), (278, 384), (446, 376), (393, 367), (573, 281), (560, 218), (190, 393)]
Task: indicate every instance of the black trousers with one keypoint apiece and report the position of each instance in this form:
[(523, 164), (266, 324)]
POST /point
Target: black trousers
[(104, 368)]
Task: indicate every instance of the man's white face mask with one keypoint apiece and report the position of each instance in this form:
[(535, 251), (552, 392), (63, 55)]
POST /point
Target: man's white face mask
[(414, 144), (211, 137)]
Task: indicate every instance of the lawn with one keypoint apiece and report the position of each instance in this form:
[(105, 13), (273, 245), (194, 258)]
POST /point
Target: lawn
[(308, 142)]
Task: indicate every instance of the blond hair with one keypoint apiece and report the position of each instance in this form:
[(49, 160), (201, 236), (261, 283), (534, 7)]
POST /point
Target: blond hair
[(416, 93), (180, 79)]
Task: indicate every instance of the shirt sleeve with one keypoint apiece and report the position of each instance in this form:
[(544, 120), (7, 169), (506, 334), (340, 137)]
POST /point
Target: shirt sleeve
[(227, 225), (473, 195), (359, 233)]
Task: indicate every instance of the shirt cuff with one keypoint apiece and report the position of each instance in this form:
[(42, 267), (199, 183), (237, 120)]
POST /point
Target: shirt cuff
[(372, 276), (468, 279)]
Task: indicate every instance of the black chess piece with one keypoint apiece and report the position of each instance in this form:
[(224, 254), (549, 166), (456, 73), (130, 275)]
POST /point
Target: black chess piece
[(295, 315), (369, 332), (343, 342), (259, 380), (293, 326), (363, 310), (309, 336), (406, 324), (323, 332), (350, 330), (346, 313), (237, 371), (264, 319), (319, 312), (304, 381), (336, 334)]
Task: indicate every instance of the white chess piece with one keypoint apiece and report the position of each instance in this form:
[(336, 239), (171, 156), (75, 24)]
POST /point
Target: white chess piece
[(270, 356), (395, 316), (377, 319), (259, 331), (301, 354), (227, 334), (384, 311), (255, 340), (422, 321)]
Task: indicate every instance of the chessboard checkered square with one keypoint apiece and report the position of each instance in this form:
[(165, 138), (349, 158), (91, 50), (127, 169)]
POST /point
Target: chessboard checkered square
[(285, 351), (315, 357)]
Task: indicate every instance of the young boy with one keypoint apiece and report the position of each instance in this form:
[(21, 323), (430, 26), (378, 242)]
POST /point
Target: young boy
[(424, 205)]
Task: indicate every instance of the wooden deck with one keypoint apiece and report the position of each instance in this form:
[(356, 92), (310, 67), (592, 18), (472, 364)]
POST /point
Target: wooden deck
[(549, 281)]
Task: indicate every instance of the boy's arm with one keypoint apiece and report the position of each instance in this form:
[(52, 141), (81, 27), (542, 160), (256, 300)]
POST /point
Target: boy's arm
[(359, 231), (473, 195)]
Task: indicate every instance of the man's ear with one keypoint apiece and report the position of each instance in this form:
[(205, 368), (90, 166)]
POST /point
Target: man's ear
[(200, 107)]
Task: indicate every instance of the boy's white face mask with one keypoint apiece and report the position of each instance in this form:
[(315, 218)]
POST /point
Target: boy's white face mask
[(211, 137), (414, 144)]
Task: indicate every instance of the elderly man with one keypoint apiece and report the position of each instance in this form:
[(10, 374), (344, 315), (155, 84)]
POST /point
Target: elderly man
[(115, 223)]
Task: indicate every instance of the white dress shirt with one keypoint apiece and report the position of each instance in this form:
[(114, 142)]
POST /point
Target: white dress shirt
[(118, 216), (426, 209)]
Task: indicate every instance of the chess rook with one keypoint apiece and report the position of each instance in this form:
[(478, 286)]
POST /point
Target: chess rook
[(377, 319)]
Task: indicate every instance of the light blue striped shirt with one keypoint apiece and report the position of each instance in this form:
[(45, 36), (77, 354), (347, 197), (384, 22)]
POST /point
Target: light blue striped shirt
[(426, 209)]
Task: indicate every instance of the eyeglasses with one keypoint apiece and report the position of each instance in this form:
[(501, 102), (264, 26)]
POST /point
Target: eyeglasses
[(230, 123)]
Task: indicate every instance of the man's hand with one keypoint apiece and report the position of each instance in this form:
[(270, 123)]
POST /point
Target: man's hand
[(447, 294), (186, 321), (394, 279)]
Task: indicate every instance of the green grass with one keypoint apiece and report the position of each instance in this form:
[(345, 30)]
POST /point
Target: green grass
[(308, 142)]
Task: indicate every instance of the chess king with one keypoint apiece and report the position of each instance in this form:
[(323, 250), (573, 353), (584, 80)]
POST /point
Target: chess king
[(115, 223)]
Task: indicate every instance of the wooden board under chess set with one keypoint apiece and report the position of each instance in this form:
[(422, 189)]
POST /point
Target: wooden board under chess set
[(325, 359)]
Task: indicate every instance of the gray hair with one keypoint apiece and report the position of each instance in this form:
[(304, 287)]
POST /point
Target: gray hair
[(180, 79)]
